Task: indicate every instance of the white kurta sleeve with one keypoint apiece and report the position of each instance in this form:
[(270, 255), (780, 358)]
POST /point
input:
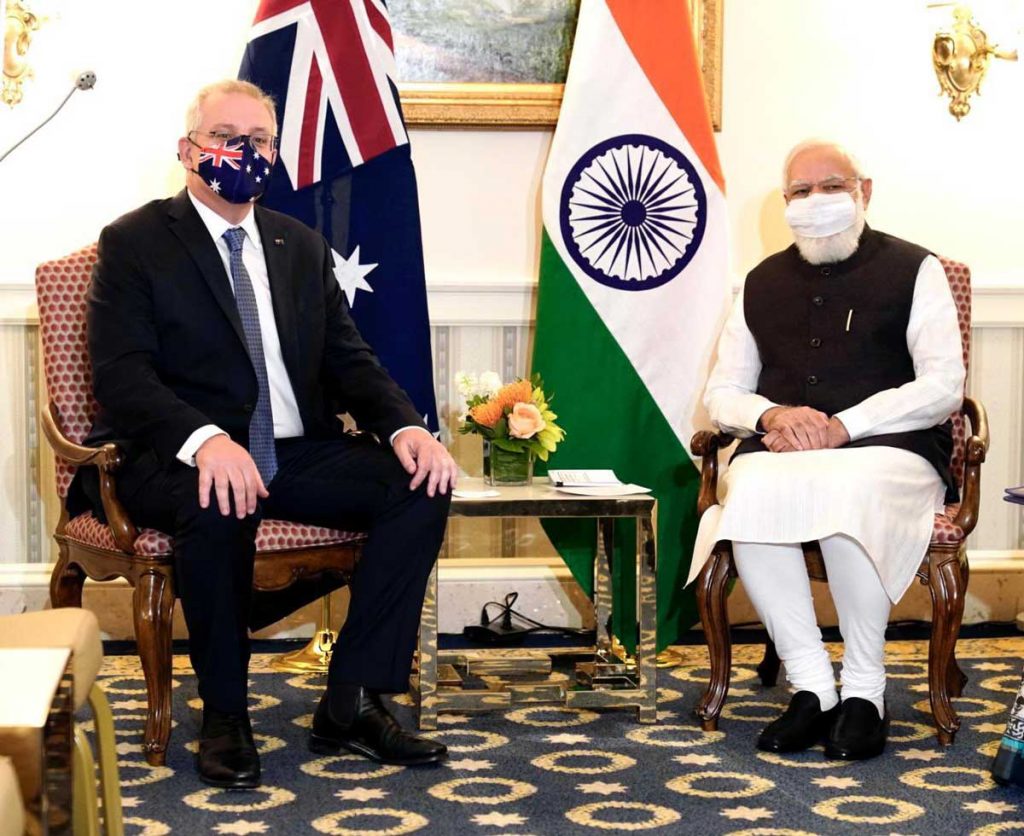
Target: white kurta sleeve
[(933, 338), (731, 397)]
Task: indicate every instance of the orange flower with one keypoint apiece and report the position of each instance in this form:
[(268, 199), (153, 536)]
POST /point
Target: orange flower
[(487, 414), (512, 393)]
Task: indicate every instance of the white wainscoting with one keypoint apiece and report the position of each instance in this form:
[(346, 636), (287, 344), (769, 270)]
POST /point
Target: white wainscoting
[(478, 326)]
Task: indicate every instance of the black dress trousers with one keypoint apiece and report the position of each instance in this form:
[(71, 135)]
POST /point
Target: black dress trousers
[(347, 483)]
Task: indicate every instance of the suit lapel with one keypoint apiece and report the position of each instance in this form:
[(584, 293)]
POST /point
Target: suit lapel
[(193, 234), (281, 273)]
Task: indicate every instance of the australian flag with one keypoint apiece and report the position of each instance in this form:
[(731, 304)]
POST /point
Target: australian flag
[(344, 167)]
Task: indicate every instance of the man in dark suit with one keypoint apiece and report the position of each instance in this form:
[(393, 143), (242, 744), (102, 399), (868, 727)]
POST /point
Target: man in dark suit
[(222, 351)]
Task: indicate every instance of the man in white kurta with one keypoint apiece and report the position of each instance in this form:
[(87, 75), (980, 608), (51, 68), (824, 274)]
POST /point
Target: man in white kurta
[(864, 480)]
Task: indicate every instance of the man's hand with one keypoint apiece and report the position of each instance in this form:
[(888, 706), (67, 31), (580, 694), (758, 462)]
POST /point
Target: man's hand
[(227, 467), (425, 457), (800, 427), (774, 441), (835, 433)]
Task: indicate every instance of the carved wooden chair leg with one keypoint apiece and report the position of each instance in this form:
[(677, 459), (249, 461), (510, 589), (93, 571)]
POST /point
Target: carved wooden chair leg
[(957, 678), (66, 582), (768, 670), (153, 607), (712, 594), (945, 582)]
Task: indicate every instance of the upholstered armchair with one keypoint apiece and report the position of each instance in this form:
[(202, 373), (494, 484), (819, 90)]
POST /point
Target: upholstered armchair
[(286, 551), (945, 569)]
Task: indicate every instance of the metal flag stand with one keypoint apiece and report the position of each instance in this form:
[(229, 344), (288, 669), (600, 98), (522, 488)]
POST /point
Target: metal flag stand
[(315, 657)]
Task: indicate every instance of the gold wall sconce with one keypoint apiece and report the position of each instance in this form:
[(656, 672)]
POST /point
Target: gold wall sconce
[(19, 24), (960, 56)]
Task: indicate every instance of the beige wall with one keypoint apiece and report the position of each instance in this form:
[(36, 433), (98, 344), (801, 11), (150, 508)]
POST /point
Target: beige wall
[(858, 71), (793, 68)]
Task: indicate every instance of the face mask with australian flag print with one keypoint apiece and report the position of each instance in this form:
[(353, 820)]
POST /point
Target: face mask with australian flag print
[(234, 170)]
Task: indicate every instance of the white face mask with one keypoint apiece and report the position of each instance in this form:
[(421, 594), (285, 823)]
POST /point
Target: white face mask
[(821, 215)]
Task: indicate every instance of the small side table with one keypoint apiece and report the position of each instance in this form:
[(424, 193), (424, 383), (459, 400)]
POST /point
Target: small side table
[(36, 730), (604, 679)]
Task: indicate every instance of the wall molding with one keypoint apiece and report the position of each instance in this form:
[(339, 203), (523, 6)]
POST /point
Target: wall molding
[(460, 569), (547, 593), (455, 301)]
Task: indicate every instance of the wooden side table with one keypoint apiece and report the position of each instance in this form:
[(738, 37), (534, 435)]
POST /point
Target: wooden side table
[(603, 680), (36, 729)]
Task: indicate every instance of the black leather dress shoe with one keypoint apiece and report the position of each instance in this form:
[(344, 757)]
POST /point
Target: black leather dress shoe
[(858, 733), (355, 719), (227, 753), (801, 726)]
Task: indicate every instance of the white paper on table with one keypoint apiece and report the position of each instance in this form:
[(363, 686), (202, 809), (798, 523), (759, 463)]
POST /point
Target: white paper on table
[(581, 478), (462, 494), (603, 490)]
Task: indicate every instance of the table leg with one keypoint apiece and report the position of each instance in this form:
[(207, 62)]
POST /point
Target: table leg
[(426, 685), (603, 584), (647, 613)]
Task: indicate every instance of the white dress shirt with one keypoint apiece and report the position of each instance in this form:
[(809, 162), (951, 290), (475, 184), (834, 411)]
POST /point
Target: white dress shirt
[(287, 421)]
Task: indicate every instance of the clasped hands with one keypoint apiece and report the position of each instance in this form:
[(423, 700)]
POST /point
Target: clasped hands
[(226, 469), (791, 428)]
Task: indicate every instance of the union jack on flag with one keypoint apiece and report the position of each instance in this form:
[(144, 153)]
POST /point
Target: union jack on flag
[(230, 154), (348, 172), (341, 60)]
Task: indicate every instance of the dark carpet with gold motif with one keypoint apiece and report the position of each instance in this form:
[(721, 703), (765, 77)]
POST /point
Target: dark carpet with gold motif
[(551, 771)]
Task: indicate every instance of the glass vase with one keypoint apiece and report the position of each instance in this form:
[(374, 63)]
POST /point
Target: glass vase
[(504, 467)]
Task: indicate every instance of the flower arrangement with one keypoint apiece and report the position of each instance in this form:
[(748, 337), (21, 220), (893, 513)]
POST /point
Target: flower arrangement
[(514, 417)]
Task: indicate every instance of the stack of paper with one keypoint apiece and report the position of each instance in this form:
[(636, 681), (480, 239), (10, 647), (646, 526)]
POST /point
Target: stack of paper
[(592, 483)]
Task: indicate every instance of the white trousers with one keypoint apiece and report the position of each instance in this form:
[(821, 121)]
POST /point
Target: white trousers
[(775, 578)]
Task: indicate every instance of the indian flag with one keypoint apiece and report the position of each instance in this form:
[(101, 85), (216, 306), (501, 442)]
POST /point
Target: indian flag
[(634, 282)]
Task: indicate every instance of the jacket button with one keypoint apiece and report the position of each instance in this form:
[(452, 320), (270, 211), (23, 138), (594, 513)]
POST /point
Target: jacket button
[(826, 271), (812, 380), (815, 342), (818, 300)]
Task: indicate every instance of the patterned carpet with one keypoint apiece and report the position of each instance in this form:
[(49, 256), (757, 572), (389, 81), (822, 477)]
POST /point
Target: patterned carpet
[(541, 770)]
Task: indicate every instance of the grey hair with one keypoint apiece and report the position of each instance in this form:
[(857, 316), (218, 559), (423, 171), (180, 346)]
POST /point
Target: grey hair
[(813, 144), (194, 114)]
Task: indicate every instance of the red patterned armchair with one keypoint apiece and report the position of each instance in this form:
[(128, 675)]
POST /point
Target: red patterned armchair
[(286, 552), (944, 569)]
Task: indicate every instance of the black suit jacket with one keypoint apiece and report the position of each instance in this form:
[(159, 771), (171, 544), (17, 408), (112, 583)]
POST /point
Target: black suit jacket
[(169, 353)]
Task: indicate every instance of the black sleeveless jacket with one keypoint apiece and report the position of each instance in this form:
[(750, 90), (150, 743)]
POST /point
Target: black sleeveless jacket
[(798, 314)]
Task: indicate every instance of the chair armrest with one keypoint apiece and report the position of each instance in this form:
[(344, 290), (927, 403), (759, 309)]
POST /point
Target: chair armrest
[(975, 449), (107, 459), (706, 444)]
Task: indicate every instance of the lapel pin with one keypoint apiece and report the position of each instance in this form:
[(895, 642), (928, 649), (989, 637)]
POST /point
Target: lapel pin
[(279, 242)]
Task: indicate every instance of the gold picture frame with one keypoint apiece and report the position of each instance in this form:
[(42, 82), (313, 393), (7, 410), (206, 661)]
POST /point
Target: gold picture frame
[(501, 105)]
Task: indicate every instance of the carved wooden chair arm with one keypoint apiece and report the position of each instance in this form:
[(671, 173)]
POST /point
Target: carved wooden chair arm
[(976, 448), (107, 458), (706, 444)]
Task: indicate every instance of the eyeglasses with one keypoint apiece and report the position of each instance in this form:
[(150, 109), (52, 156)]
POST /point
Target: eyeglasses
[(258, 142), (830, 185)]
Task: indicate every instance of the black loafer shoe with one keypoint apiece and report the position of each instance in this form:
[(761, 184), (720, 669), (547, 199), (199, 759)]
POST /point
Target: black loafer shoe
[(801, 726), (358, 721), (859, 733), (227, 753)]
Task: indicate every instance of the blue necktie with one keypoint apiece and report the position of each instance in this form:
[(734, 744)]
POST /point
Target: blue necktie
[(261, 427)]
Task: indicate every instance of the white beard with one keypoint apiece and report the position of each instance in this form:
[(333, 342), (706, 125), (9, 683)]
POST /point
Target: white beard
[(838, 247)]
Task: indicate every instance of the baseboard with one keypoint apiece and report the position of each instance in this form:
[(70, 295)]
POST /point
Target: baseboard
[(547, 593)]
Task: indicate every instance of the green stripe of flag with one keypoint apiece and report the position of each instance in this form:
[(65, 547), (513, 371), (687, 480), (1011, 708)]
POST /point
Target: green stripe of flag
[(611, 421)]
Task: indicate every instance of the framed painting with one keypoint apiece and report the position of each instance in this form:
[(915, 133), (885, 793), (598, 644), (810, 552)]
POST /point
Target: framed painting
[(502, 63)]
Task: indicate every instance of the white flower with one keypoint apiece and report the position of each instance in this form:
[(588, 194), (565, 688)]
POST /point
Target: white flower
[(466, 384), (489, 384)]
